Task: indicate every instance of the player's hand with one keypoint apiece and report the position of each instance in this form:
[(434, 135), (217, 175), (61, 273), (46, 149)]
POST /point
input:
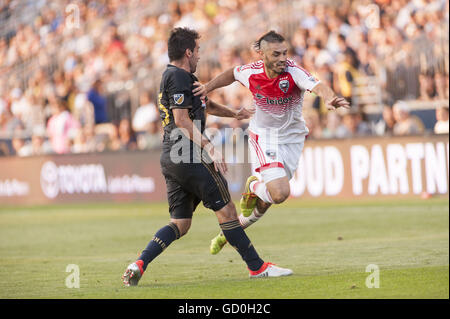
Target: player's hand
[(245, 113), (217, 158), (200, 89), (338, 102)]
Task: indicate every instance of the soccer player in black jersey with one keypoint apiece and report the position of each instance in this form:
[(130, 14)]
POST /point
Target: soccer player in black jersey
[(192, 167)]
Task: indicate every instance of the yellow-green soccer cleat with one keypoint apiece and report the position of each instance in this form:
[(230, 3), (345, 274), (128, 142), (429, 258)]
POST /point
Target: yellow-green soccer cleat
[(248, 199), (217, 244)]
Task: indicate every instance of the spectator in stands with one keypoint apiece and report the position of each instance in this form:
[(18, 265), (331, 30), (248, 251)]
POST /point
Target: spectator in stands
[(38, 144), (80, 142), (121, 137), (346, 73), (312, 120), (150, 139), (325, 75), (45, 58), (83, 110), (96, 97), (2, 105), (61, 127), (427, 88), (20, 106), (362, 125), (4, 149), (146, 114), (441, 84), (386, 125), (127, 135), (352, 125), (8, 122), (36, 116), (94, 142), (441, 126), (19, 141), (333, 122), (19, 145), (113, 142), (366, 59), (406, 124)]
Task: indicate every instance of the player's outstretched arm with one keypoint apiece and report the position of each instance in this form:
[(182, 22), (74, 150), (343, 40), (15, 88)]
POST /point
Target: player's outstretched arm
[(217, 109), (182, 121), (332, 101), (223, 79)]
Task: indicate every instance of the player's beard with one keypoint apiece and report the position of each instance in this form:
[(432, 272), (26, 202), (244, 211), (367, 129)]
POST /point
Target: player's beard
[(280, 67), (192, 65), (276, 68)]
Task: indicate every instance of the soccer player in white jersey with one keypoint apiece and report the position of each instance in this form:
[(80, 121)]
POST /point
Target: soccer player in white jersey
[(277, 130)]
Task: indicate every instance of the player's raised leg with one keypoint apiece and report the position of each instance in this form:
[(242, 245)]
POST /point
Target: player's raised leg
[(275, 191), (278, 188), (274, 187)]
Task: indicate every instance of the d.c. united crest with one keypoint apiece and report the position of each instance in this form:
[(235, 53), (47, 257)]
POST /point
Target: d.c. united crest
[(284, 85)]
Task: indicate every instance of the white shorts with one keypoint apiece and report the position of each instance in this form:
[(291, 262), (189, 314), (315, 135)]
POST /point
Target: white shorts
[(271, 160)]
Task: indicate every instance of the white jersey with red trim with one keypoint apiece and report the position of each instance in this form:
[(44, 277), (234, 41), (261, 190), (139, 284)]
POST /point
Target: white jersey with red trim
[(278, 101)]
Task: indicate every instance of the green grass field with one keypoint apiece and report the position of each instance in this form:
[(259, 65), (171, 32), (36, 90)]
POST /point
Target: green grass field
[(407, 239)]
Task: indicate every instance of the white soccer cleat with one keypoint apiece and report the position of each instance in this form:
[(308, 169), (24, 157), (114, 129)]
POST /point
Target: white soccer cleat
[(270, 270), (133, 274)]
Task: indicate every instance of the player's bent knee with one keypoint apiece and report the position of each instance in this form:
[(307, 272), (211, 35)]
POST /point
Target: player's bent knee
[(279, 197), (230, 211), (184, 232), (183, 225), (227, 213), (279, 190)]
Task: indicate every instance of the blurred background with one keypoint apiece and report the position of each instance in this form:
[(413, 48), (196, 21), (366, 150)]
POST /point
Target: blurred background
[(83, 76), (80, 134)]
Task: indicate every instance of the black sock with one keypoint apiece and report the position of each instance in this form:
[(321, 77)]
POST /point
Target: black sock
[(237, 238), (162, 239)]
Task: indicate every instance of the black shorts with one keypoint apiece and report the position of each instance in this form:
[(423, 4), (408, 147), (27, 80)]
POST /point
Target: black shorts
[(188, 184)]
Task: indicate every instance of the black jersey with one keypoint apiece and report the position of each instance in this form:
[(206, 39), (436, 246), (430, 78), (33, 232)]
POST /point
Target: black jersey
[(176, 92), (189, 179)]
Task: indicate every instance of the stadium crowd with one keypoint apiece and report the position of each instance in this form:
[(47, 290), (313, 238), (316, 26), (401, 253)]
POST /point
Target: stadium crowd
[(91, 84)]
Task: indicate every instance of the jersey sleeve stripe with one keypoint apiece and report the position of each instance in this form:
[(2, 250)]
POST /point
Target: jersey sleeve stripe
[(254, 65), (293, 65)]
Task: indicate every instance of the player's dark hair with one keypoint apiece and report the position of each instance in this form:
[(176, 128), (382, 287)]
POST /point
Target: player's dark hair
[(181, 39), (271, 37)]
